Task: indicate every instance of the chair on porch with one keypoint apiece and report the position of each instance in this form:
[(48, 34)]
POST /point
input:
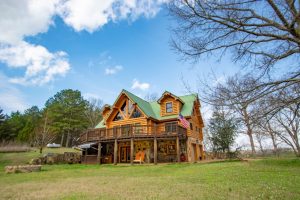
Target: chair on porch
[(139, 157)]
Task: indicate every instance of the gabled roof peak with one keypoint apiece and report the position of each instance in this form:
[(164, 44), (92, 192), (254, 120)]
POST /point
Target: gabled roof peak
[(169, 93)]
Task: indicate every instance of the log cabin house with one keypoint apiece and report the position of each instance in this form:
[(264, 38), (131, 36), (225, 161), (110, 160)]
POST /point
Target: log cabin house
[(132, 125)]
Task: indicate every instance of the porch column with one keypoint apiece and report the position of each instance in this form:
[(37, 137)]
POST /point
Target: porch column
[(178, 149), (155, 151), (116, 152), (85, 154), (131, 151), (99, 153)]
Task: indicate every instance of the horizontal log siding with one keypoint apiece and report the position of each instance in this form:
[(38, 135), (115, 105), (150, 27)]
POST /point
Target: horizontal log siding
[(197, 134), (141, 120), (176, 106)]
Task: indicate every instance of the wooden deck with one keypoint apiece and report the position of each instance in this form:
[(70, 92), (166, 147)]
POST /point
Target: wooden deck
[(127, 132)]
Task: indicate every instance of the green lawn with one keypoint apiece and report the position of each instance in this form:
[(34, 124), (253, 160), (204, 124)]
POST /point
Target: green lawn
[(256, 179)]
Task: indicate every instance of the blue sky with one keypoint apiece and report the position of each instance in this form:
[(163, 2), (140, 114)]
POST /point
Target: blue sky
[(130, 50)]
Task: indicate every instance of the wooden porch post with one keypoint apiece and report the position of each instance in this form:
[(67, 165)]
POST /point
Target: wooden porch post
[(155, 150), (99, 153), (85, 154), (116, 152), (131, 151), (178, 149)]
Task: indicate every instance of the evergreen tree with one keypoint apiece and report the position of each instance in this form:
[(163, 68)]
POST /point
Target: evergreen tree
[(32, 118), (222, 129), (66, 112)]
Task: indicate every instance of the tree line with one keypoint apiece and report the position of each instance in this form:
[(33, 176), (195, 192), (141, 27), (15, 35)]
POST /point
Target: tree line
[(61, 120)]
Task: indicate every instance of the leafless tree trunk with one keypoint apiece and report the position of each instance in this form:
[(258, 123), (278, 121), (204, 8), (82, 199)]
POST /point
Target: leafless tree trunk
[(249, 129), (273, 138), (43, 134), (62, 139), (68, 139)]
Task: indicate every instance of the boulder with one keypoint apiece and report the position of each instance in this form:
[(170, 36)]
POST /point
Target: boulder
[(37, 161), (51, 158), (22, 168), (72, 157)]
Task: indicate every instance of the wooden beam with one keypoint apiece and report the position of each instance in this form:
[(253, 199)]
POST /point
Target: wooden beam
[(131, 151), (155, 151), (178, 149), (99, 153), (116, 152), (85, 154)]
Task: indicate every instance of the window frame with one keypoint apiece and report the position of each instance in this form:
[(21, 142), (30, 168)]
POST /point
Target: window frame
[(169, 103), (172, 127)]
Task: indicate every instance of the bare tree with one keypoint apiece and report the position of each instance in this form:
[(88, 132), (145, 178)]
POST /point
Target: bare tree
[(230, 94), (289, 121), (93, 112), (268, 128), (151, 97), (44, 135), (256, 33)]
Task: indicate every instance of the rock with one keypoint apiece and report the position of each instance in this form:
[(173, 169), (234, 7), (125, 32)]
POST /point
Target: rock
[(22, 169), (71, 157), (51, 158), (36, 161)]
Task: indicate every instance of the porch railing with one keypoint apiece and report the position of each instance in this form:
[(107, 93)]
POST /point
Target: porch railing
[(128, 131)]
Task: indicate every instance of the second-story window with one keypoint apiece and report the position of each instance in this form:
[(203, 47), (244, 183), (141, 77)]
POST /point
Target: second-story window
[(169, 107), (170, 126)]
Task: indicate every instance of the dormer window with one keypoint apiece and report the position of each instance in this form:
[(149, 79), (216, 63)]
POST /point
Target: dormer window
[(169, 107)]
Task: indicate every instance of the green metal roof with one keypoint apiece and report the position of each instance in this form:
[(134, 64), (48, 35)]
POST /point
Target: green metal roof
[(152, 109), (101, 124)]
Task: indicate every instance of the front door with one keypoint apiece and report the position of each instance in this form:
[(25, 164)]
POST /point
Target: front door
[(125, 154)]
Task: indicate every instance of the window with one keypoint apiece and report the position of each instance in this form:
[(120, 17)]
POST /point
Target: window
[(123, 108), (169, 107), (118, 117), (170, 127), (130, 107), (191, 126), (137, 128), (125, 130), (136, 113)]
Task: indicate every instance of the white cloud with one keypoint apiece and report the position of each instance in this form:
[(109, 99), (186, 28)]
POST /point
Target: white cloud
[(11, 98), (93, 14), (113, 70), (25, 18), (142, 86), (41, 66)]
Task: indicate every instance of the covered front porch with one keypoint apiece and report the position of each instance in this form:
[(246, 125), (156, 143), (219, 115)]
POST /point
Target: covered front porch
[(154, 150)]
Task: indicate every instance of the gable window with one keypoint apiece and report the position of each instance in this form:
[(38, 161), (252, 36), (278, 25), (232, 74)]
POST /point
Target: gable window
[(123, 108), (136, 113), (118, 117), (130, 107), (169, 107)]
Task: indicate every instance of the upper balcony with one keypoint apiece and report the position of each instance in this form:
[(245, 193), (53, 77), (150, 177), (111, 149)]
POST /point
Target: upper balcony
[(133, 131)]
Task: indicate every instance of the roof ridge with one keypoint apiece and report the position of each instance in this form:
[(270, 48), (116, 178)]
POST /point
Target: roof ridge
[(135, 95), (195, 94)]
